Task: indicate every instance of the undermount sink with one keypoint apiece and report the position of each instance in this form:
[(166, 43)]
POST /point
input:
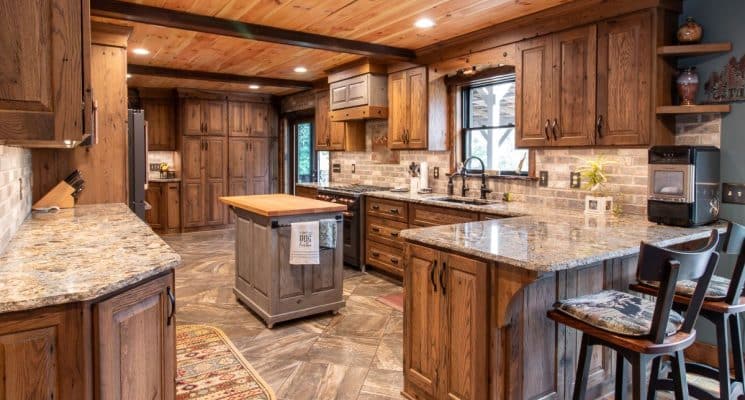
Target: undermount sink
[(465, 201)]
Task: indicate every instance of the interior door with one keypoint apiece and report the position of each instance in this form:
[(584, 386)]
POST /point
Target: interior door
[(215, 180), (417, 101), (192, 185), (397, 109), (534, 108), (624, 94), (575, 56)]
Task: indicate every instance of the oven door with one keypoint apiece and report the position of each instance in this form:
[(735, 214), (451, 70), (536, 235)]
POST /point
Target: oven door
[(671, 182)]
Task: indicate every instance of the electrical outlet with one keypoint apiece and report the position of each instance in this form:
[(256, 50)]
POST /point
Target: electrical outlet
[(543, 179), (154, 166), (336, 168), (575, 180), (733, 193), (436, 172), (354, 168)]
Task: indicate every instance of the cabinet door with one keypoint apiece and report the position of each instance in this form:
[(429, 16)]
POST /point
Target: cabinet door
[(417, 104), (153, 196), (172, 207), (339, 95), (422, 332), (466, 329), (397, 110), (192, 187), (237, 119), (337, 134), (215, 117), (215, 170), (624, 74), (259, 171), (575, 56), (192, 117), (135, 344), (259, 122), (161, 124), (238, 165), (323, 123), (533, 106), (41, 89)]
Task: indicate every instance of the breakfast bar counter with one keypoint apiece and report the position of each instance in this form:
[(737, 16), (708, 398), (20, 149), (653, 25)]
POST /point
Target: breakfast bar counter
[(265, 281)]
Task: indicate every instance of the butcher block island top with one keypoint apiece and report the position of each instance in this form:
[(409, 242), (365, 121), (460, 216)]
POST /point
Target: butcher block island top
[(281, 205)]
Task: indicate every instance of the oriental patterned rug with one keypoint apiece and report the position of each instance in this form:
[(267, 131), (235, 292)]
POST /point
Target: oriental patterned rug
[(209, 367)]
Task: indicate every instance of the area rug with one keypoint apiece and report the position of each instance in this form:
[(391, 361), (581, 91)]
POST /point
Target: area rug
[(211, 368), (395, 301)]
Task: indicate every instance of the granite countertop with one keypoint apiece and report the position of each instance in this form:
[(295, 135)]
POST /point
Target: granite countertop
[(79, 254), (500, 208)]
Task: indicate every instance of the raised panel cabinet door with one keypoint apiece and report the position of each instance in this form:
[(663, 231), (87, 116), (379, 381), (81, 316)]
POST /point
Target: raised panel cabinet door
[(238, 158), (466, 329), (260, 168), (192, 187), (323, 123), (237, 121), (215, 117), (259, 122), (339, 95), (173, 206), (337, 135), (153, 196), (534, 107), (417, 104), (215, 171), (423, 344), (41, 89), (192, 194), (191, 158), (575, 56), (398, 109), (192, 117), (161, 124), (625, 54), (214, 158), (135, 343)]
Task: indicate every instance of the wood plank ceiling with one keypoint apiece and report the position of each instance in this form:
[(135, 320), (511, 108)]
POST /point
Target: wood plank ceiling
[(388, 22)]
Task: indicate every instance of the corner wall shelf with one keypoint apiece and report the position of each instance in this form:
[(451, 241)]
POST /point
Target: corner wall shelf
[(694, 109), (694, 49)]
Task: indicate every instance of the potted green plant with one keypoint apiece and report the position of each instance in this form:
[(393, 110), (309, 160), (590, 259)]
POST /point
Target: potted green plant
[(597, 202)]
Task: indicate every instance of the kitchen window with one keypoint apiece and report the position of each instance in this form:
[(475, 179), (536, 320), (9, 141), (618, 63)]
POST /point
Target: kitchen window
[(489, 127)]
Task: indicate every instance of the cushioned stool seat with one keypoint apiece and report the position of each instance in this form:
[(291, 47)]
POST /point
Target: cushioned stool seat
[(717, 289), (617, 312)]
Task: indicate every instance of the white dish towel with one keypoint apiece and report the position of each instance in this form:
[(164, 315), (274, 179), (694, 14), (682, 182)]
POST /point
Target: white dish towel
[(304, 247)]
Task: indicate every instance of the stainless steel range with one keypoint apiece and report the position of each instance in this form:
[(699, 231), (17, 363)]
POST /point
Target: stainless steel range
[(354, 218)]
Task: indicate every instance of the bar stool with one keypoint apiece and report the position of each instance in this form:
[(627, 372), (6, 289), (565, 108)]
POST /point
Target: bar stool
[(722, 306), (640, 330)]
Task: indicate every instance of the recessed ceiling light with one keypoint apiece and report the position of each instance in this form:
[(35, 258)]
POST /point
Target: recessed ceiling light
[(424, 23), (253, 86), (301, 70), (129, 76), (141, 51)]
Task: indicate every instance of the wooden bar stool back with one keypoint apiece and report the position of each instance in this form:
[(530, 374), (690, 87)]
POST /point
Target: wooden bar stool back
[(723, 303), (640, 330)]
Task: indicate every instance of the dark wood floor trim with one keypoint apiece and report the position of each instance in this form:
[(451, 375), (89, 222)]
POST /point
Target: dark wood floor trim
[(135, 69), (220, 26)]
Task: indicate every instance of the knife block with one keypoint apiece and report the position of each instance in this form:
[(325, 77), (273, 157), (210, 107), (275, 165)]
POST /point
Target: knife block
[(60, 196)]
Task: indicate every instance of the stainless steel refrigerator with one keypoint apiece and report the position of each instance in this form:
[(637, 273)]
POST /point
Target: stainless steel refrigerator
[(137, 161)]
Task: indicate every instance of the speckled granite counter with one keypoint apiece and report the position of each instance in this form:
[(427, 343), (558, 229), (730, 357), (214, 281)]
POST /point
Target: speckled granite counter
[(78, 255)]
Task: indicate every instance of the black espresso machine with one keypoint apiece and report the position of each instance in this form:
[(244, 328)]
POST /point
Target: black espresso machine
[(684, 187)]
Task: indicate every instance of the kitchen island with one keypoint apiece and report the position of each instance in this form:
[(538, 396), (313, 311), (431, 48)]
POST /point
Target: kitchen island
[(87, 307), (265, 281), (477, 293)]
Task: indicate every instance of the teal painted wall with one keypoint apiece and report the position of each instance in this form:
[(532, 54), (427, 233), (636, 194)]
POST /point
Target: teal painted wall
[(723, 20)]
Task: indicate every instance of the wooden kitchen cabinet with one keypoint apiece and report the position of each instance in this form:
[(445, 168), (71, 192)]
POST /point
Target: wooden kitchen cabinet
[(135, 342), (336, 136), (251, 119), (204, 180), (45, 90), (153, 197), (248, 167), (204, 117), (533, 102), (417, 111), (322, 122), (160, 115), (446, 332), (164, 198)]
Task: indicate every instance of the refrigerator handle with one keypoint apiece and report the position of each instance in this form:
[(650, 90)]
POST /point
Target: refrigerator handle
[(147, 161)]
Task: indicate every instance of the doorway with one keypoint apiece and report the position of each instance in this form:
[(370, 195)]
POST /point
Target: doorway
[(304, 161)]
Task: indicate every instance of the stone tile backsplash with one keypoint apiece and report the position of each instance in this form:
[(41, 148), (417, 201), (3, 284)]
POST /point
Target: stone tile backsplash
[(627, 173), (15, 190)]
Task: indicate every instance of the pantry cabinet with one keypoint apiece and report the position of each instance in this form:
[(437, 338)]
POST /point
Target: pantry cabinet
[(248, 167), (45, 91), (204, 117), (250, 119), (417, 111), (204, 180)]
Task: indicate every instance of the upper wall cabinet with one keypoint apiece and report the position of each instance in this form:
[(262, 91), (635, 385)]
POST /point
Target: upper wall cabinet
[(204, 117), (45, 96), (160, 114), (336, 136), (251, 119), (591, 85), (417, 110)]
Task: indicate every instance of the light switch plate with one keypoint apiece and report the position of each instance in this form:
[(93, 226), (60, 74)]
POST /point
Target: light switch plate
[(733, 193), (543, 179), (436, 172), (575, 180)]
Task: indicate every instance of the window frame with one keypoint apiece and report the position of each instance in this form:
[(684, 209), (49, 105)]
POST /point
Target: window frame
[(466, 128)]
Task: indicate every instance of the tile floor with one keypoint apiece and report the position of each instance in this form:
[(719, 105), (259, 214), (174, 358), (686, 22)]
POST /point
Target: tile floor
[(356, 354), (353, 355)]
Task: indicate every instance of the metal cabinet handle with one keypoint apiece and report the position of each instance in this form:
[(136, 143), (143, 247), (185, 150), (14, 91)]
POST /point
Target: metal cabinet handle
[(393, 210), (553, 128), (442, 278), (375, 207), (376, 230), (545, 129), (394, 234), (375, 254), (432, 275), (172, 299), (599, 126), (394, 260)]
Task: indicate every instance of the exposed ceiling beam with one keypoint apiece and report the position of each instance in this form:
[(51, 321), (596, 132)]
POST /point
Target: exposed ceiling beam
[(216, 76), (225, 27)]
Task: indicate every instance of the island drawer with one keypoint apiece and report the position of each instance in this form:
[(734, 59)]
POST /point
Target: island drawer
[(385, 257), (385, 231), (422, 215), (388, 209)]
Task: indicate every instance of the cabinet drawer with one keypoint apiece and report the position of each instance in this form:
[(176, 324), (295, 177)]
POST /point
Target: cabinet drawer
[(385, 257), (388, 209), (432, 216), (385, 231)]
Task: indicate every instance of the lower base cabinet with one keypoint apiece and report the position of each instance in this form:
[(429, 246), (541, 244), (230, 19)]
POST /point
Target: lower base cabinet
[(446, 329), (121, 347), (164, 198)]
